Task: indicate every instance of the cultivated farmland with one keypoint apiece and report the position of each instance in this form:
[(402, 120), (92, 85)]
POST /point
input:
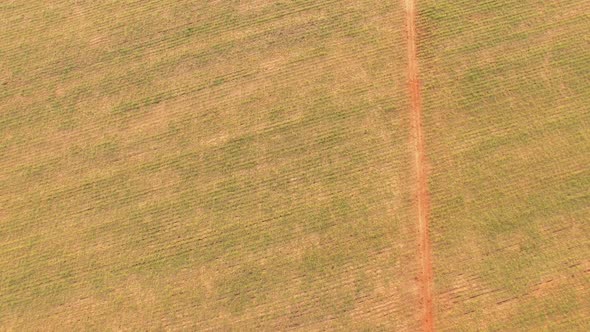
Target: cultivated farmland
[(264, 165), (205, 165), (506, 93)]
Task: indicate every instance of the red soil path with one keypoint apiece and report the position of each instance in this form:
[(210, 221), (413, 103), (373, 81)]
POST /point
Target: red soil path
[(426, 279)]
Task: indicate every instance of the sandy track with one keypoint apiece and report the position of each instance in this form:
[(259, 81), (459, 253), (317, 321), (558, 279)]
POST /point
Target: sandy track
[(422, 199)]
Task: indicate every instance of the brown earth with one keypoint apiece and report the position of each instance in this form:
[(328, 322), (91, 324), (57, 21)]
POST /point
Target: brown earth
[(422, 199)]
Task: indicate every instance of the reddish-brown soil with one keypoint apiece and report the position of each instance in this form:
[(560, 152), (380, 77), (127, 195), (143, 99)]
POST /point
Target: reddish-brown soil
[(422, 199)]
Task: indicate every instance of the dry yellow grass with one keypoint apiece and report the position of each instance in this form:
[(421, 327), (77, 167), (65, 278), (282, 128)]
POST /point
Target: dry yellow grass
[(506, 95), (205, 165)]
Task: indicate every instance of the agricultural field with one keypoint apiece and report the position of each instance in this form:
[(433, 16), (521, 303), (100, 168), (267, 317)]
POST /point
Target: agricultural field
[(205, 165), (255, 165), (506, 89)]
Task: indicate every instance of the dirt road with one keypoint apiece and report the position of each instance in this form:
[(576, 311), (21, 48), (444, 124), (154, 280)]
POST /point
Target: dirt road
[(422, 199)]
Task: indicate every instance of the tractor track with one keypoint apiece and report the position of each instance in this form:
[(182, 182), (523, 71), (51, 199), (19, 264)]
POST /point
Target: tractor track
[(422, 196)]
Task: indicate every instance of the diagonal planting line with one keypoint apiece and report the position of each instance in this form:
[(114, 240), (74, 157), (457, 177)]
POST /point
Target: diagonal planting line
[(422, 199)]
